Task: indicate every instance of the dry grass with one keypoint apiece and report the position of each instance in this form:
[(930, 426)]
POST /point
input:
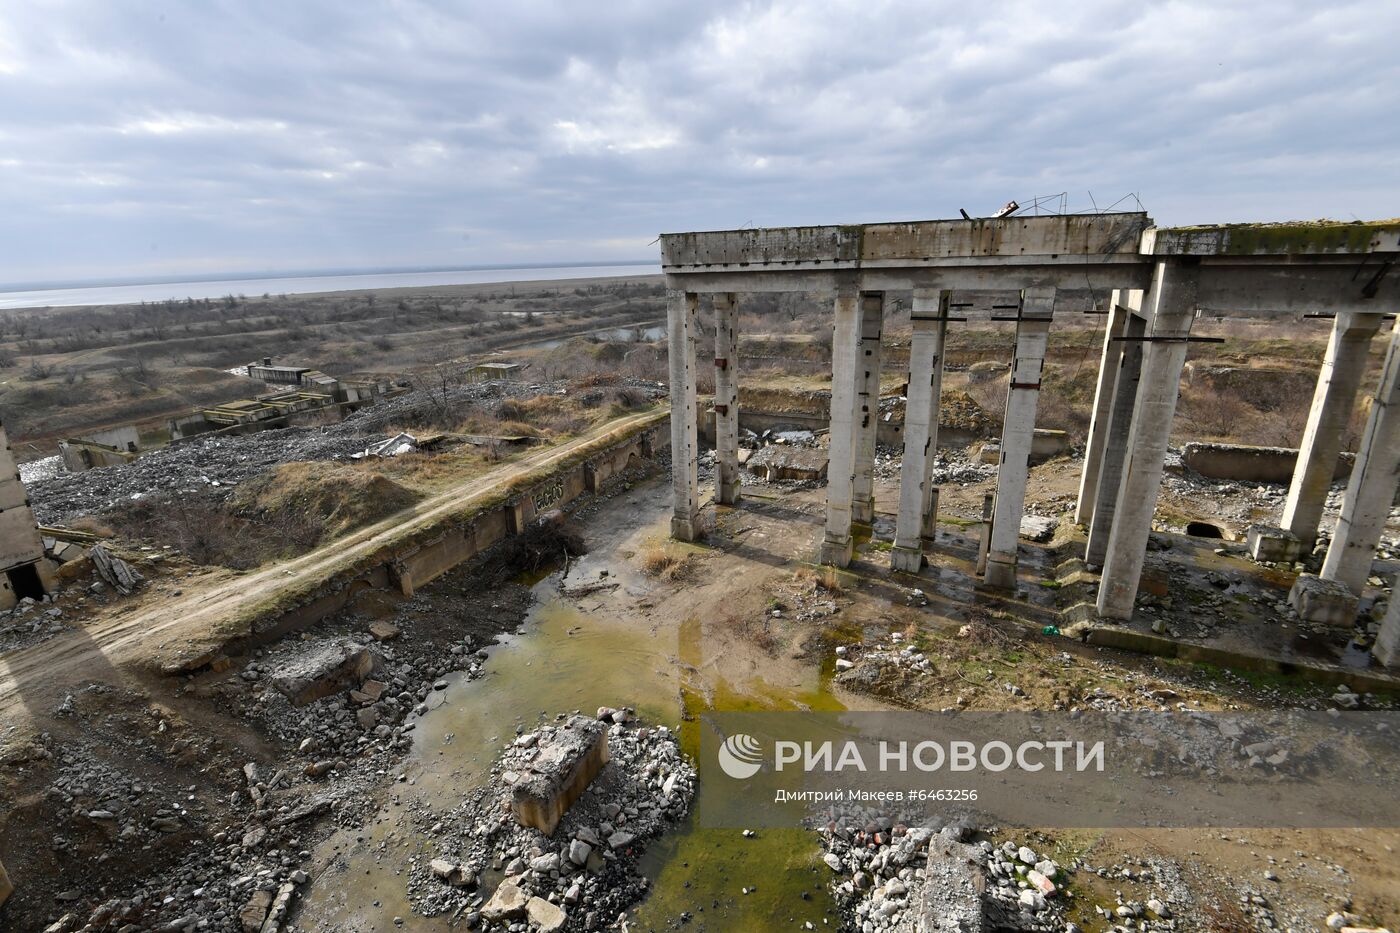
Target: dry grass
[(826, 580), (756, 631), (663, 563)]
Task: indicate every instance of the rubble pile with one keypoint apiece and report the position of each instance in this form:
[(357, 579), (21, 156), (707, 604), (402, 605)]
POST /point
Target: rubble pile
[(890, 876), (583, 875)]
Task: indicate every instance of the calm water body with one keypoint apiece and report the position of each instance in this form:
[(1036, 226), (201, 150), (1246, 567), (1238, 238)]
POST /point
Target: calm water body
[(300, 285)]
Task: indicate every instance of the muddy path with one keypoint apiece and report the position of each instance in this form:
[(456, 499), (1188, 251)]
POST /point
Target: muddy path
[(31, 678)]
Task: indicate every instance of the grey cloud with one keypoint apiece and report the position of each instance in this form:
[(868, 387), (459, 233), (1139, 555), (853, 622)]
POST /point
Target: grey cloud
[(155, 137)]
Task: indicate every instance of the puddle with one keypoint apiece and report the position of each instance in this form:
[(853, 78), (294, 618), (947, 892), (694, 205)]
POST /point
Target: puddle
[(565, 660)]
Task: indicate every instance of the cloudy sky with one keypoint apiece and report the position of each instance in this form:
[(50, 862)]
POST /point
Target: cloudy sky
[(141, 138)]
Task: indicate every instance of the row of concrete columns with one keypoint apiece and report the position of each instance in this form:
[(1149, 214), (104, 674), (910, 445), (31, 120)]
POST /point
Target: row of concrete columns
[(1135, 402)]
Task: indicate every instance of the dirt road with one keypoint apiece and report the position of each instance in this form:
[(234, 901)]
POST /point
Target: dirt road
[(33, 677)]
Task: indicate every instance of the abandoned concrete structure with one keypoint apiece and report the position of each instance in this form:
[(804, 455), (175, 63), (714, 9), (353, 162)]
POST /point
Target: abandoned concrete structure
[(22, 564), (1151, 282)]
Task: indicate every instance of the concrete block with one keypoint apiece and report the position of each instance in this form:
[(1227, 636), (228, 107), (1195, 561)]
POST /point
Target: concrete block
[(1273, 544), (907, 559), (837, 553), (326, 669), (560, 773), (1326, 601)]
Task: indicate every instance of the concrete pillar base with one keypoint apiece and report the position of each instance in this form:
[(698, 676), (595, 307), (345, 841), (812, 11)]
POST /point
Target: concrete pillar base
[(1324, 601), (686, 529), (928, 528), (1001, 571), (1387, 650), (838, 553), (863, 512), (727, 493), (1273, 545), (907, 559)]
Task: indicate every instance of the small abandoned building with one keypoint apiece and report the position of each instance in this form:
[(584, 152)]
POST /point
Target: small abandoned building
[(22, 565), (101, 449), (501, 370), (279, 373)]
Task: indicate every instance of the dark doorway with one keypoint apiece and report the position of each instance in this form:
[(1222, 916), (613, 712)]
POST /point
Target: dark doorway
[(25, 582)]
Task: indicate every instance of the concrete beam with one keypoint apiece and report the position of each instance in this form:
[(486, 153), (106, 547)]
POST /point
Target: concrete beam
[(867, 414), (846, 375), (1082, 284), (1018, 430), (916, 494), (1371, 489), (1332, 404), (1172, 303), (1074, 235), (685, 421), (1311, 238), (726, 401), (1117, 439), (1120, 307)]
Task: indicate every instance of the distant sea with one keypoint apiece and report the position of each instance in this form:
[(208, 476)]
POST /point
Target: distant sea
[(126, 294)]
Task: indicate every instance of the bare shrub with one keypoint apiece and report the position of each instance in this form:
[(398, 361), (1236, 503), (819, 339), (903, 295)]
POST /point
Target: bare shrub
[(660, 562)]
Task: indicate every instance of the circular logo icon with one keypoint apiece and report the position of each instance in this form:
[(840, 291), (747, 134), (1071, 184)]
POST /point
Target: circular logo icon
[(740, 756)]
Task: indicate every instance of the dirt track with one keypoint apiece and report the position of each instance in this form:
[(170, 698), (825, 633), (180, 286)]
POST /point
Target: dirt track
[(42, 672)]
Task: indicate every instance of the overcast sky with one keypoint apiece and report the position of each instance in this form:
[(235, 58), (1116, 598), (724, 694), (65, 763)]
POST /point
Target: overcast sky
[(154, 138)]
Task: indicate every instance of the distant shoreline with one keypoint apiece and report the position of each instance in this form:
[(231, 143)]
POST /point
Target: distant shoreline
[(388, 282)]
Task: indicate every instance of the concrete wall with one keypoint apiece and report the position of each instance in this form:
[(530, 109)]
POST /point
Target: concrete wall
[(413, 565), (19, 534), (1251, 464)]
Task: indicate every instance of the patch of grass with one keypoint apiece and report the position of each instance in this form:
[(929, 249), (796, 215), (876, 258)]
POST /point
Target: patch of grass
[(663, 563)]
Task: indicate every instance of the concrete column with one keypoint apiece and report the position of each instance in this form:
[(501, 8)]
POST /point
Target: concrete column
[(726, 401), (1332, 403), (1371, 489), (1115, 452), (916, 493), (846, 379), (867, 414), (1017, 433), (1171, 303), (1120, 308), (685, 422), (1387, 649)]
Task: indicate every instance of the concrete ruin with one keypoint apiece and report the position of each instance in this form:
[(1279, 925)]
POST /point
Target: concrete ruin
[(24, 572), (559, 774), (1152, 283), (113, 447)]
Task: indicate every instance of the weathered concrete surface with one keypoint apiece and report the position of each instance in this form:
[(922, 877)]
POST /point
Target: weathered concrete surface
[(1018, 430), (1270, 543), (726, 402), (1110, 361), (845, 411), (779, 461), (868, 413), (1172, 303), (1320, 600), (1387, 649), (560, 773), (1118, 430), (1250, 464), (20, 542), (954, 895), (326, 669), (1371, 490), (917, 502), (1332, 403), (685, 464)]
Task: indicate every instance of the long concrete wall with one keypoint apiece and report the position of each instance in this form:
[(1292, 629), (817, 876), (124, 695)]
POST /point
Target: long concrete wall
[(417, 562)]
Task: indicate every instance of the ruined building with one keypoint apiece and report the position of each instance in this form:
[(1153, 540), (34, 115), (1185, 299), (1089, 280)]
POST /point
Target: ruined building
[(23, 570), (1151, 282)]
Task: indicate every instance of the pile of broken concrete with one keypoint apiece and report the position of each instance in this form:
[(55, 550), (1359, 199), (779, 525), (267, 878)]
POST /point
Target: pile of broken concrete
[(553, 839), (895, 878)]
